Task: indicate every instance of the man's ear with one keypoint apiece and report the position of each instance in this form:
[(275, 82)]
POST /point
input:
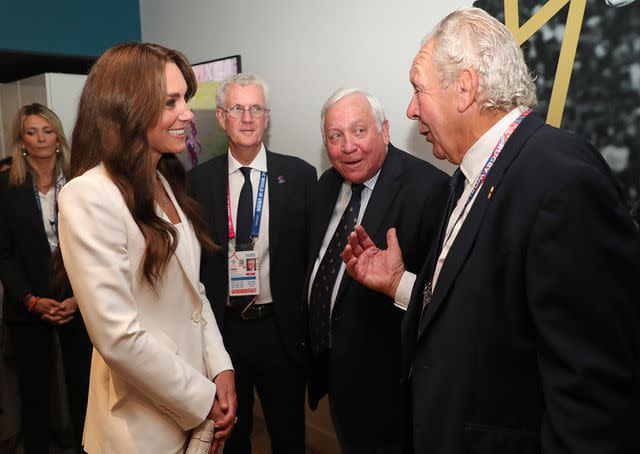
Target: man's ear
[(385, 131), (467, 86), (220, 118)]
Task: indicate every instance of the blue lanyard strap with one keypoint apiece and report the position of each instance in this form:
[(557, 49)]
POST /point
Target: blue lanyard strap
[(57, 187), (257, 215)]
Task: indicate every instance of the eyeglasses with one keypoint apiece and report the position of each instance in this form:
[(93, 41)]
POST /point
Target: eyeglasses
[(238, 111)]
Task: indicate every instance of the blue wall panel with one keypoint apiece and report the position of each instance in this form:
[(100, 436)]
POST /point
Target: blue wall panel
[(70, 27)]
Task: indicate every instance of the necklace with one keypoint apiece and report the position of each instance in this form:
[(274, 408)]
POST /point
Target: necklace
[(161, 195), (163, 199)]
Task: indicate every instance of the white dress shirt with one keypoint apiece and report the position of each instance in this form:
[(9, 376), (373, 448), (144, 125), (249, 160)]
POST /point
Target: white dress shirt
[(471, 166), (341, 204), (261, 243), (47, 203)]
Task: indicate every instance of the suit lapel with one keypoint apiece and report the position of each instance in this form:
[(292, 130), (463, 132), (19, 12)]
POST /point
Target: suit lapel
[(411, 319), (384, 193), (327, 191), (277, 188), (325, 204), (26, 197), (465, 240), (216, 210)]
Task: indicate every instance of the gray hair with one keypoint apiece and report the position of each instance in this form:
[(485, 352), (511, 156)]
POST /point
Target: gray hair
[(471, 38), (242, 79), (376, 107)]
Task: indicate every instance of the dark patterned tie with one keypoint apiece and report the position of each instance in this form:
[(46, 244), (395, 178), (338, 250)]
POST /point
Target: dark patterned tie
[(320, 298), (244, 219), (456, 187)]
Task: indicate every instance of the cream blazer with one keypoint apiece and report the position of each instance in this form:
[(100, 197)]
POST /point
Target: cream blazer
[(155, 354)]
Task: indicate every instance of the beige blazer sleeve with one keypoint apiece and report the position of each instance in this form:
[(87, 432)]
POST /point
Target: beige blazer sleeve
[(100, 248)]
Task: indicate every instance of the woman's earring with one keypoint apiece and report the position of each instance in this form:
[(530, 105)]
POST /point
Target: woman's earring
[(58, 149), (24, 152)]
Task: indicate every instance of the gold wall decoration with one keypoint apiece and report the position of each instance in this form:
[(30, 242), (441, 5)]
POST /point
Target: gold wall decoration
[(567, 52)]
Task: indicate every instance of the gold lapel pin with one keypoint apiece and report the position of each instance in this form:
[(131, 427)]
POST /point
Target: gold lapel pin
[(490, 193)]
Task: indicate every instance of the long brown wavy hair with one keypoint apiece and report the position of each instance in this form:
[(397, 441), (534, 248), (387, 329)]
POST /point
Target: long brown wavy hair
[(123, 97)]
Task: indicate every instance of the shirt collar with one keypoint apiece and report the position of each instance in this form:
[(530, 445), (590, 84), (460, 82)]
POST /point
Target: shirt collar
[(370, 184), (477, 156), (259, 163)]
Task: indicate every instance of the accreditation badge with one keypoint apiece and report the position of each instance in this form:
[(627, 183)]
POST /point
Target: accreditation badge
[(243, 273)]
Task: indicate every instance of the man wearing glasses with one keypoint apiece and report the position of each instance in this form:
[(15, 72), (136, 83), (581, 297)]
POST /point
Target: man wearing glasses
[(256, 204)]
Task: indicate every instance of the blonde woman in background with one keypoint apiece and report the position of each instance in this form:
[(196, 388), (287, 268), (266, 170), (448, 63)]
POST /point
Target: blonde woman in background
[(32, 307)]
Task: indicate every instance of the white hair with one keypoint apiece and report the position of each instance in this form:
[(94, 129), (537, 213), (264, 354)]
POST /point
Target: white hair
[(471, 38), (242, 79), (376, 107)]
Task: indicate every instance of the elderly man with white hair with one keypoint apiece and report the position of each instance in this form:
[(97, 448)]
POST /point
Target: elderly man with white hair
[(522, 333), (355, 332)]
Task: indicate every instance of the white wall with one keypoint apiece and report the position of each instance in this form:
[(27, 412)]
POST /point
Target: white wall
[(63, 96), (59, 92), (306, 50)]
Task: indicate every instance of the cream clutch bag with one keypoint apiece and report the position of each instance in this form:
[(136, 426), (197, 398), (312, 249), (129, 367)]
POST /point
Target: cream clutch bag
[(201, 439)]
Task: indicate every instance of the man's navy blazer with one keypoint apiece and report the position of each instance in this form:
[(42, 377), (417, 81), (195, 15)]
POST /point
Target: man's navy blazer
[(291, 183), (365, 325), (531, 340)]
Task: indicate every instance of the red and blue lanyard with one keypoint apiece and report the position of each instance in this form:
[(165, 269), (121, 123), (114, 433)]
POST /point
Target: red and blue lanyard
[(489, 164)]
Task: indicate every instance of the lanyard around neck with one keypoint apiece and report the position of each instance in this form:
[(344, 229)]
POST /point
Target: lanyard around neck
[(488, 165), (57, 187)]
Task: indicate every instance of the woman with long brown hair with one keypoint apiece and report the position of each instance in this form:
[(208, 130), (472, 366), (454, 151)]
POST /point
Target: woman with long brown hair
[(130, 238), (33, 308)]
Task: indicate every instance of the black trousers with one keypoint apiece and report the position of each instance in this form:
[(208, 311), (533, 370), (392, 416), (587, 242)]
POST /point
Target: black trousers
[(33, 350), (260, 362), (348, 445)]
